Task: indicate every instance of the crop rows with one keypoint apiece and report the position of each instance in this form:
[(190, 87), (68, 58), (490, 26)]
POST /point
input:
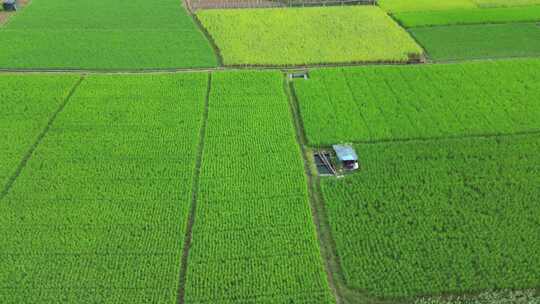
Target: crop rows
[(27, 104), (401, 6), (460, 42), (99, 212), (505, 3), (298, 36), (86, 34), (397, 103), (439, 216), (253, 238), (469, 16)]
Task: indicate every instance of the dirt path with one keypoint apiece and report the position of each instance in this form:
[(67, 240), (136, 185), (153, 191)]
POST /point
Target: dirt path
[(343, 293), (194, 198)]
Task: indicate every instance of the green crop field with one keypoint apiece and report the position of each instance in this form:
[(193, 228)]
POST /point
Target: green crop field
[(400, 6), (506, 3), (307, 35), (396, 103), (469, 16), (27, 104), (172, 152), (103, 35), (253, 239), (98, 213), (460, 42), (439, 216), (396, 6)]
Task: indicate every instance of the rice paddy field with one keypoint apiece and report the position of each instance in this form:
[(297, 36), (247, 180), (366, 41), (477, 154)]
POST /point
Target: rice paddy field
[(300, 36), (393, 103), (461, 42), (153, 153), (469, 207), (84, 34), (469, 16), (471, 29)]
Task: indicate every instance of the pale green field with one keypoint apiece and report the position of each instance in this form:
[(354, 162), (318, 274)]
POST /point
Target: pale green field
[(307, 36), (505, 3), (398, 6)]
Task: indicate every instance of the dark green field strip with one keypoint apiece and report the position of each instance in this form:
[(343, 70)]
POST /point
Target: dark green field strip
[(86, 34), (462, 42), (253, 237), (108, 50), (469, 16), (99, 212), (435, 101), (444, 216), (27, 103)]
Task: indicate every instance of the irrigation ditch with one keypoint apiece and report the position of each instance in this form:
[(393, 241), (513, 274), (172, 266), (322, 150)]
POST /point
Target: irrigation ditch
[(343, 293), (194, 197), (337, 281)]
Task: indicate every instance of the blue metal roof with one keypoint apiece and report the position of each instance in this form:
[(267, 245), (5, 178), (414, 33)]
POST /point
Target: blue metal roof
[(345, 152)]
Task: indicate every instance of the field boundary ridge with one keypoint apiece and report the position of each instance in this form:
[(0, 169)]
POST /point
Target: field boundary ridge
[(194, 197), (39, 138)]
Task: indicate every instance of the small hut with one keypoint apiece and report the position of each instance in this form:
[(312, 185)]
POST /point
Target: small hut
[(347, 156)]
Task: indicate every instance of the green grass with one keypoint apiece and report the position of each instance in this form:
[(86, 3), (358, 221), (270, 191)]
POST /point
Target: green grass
[(99, 212), (410, 102), (396, 6), (297, 36), (460, 42), (27, 104), (253, 239), (505, 3), (103, 35), (469, 16), (439, 216)]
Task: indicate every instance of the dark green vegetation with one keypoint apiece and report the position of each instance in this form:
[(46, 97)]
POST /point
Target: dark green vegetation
[(197, 187), (446, 198), (461, 42), (426, 217), (469, 16), (26, 105), (98, 213), (103, 35), (253, 238), (396, 103)]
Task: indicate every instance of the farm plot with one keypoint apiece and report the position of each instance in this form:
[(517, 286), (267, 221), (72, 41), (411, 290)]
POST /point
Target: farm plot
[(397, 6), (505, 3), (297, 36), (27, 104), (469, 16), (99, 212), (253, 238), (445, 216), (410, 102), (89, 34), (460, 42)]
